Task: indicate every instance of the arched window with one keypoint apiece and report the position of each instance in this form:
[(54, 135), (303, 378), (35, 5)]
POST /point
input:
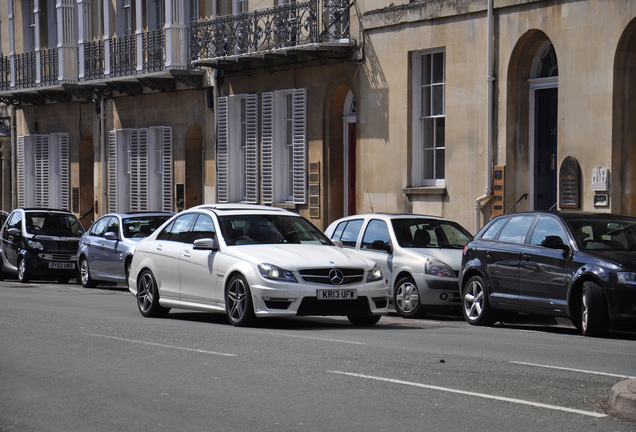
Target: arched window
[(545, 64)]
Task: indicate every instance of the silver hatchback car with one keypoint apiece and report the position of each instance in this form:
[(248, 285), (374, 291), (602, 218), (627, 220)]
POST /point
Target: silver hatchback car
[(106, 249), (419, 255)]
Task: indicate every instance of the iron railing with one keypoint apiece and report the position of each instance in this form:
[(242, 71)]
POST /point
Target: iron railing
[(25, 74), (94, 60), (5, 73), (123, 51), (291, 25), (154, 42), (49, 66)]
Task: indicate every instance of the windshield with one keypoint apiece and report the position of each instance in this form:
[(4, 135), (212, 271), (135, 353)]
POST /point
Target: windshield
[(53, 224), (270, 229), (430, 233), (143, 226), (604, 233)]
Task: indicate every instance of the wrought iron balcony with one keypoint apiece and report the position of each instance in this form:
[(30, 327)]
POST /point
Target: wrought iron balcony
[(311, 24)]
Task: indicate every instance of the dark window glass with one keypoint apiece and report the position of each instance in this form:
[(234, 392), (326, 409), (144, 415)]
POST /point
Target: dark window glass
[(516, 229), (376, 230), (547, 226)]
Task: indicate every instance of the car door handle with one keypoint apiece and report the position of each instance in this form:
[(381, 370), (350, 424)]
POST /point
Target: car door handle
[(526, 257), (489, 254), (159, 248), (186, 253)]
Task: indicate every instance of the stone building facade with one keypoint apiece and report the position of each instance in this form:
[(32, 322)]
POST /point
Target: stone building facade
[(458, 108)]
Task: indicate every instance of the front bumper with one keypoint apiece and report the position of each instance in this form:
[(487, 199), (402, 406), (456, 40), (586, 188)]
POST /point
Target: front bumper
[(300, 299)]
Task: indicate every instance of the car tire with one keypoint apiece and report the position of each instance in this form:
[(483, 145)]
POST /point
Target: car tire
[(148, 296), (85, 275), (238, 302), (23, 272), (594, 314), (475, 305), (406, 298), (364, 320)]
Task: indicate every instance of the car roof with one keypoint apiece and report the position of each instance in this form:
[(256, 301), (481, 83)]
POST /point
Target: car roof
[(35, 209), (566, 215), (391, 216), (140, 213), (220, 209)]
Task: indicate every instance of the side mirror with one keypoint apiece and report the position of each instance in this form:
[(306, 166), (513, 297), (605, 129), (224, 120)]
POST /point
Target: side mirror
[(13, 231), (381, 246), (111, 236), (210, 244), (337, 243), (555, 242)]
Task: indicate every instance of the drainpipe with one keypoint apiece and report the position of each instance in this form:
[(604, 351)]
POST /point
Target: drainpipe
[(104, 158), (479, 202)]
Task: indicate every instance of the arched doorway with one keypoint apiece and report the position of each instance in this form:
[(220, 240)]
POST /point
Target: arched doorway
[(339, 173), (623, 188), (194, 167), (543, 129), (349, 154), (87, 202)]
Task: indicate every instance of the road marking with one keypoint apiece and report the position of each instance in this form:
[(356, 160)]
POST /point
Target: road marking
[(162, 345), (574, 370), (469, 393), (320, 339)]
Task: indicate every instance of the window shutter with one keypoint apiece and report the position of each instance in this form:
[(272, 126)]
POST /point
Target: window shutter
[(65, 173), (42, 171), (112, 172), (267, 151), (300, 147), (23, 174), (166, 167), (222, 151), (57, 181), (251, 178)]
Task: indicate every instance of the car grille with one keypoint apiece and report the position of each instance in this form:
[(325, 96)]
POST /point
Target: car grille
[(53, 246), (313, 306), (326, 275)]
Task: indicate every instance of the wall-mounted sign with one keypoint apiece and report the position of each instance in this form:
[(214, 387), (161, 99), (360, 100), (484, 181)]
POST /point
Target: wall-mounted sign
[(570, 184), (600, 179)]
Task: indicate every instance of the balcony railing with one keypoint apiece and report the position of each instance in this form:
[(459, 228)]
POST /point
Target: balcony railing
[(49, 66), (94, 60), (123, 53), (291, 25), (154, 42), (25, 72), (5, 73)]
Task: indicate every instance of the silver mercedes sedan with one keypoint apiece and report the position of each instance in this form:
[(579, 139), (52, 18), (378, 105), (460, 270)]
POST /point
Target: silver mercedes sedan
[(250, 262)]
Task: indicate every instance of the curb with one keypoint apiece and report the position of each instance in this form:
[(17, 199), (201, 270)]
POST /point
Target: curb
[(623, 399)]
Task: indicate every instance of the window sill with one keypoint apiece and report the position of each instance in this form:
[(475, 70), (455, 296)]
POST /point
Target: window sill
[(425, 190), (286, 206)]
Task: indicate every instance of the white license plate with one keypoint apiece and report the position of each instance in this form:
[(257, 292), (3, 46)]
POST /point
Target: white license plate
[(337, 294), (61, 265)]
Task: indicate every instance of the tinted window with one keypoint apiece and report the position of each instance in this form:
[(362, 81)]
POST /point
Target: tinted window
[(600, 233), (142, 226), (376, 230), (268, 229), (203, 228), (15, 221), (516, 229), (55, 224), (178, 229), (100, 227), (349, 233), (547, 226), (434, 233), (493, 229)]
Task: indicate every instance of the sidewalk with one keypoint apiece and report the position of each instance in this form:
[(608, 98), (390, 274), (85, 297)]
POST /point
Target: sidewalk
[(623, 399)]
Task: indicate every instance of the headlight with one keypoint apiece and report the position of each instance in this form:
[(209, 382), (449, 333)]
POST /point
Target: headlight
[(269, 271), (375, 274), (35, 244), (438, 268), (627, 277)]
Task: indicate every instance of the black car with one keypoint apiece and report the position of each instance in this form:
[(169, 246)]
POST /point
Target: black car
[(576, 265), (41, 243)]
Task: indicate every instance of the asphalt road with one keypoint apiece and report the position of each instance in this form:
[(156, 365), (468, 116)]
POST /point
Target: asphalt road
[(75, 359)]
